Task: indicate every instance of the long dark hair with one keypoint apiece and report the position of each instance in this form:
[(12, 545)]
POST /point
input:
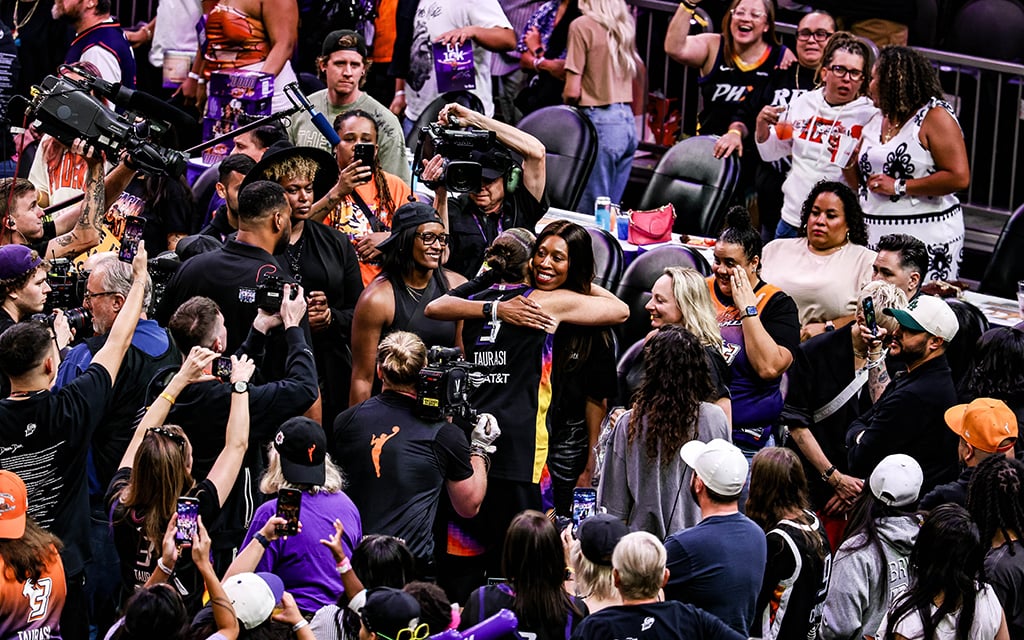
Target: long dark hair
[(154, 613), (533, 562), (865, 517), (995, 499), (158, 478), (25, 558), (677, 377), (906, 82), (385, 201), (997, 369), (948, 560), (777, 486), (854, 215), (559, 39)]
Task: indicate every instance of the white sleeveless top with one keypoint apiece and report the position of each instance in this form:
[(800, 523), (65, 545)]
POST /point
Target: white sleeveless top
[(938, 221)]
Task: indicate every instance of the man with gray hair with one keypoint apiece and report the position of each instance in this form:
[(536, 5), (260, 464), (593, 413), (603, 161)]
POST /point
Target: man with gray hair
[(151, 351), (638, 569)]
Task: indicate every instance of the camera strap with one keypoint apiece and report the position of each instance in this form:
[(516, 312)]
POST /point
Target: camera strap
[(376, 224)]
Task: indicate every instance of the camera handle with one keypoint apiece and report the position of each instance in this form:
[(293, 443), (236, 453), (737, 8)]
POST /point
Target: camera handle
[(296, 107)]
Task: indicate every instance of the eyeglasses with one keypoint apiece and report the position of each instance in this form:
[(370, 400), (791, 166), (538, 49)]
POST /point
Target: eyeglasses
[(843, 72), (743, 13), (419, 633), (89, 296), (820, 35), (430, 238)]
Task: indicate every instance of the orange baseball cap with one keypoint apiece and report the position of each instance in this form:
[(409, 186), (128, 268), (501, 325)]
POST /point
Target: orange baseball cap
[(984, 423), (13, 505)]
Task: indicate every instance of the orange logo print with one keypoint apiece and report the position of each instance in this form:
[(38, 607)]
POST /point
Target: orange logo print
[(310, 451), (377, 444)]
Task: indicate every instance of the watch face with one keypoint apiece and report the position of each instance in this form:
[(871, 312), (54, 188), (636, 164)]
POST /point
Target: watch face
[(241, 386), (750, 311)]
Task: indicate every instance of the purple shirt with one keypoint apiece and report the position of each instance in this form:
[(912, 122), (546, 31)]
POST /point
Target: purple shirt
[(305, 566)]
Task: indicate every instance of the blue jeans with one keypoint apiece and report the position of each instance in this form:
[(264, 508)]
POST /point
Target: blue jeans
[(616, 143), (786, 230)]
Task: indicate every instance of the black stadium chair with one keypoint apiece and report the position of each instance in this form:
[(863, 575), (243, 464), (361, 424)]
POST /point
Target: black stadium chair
[(571, 143), (608, 258), (429, 115), (698, 184), (635, 287), (1006, 266)]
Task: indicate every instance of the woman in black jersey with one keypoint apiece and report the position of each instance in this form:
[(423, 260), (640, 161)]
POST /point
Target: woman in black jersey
[(412, 277), (796, 575), (733, 65)]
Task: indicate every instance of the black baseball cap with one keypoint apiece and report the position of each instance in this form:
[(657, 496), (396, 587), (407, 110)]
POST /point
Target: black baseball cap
[(409, 216), (598, 536), (302, 446), (494, 163), (336, 41)]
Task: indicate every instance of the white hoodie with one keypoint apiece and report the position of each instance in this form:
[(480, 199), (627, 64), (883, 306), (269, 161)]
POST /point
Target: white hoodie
[(815, 122)]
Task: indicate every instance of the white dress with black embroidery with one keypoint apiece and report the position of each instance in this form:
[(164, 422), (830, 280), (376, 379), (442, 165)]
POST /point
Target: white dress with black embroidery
[(938, 221)]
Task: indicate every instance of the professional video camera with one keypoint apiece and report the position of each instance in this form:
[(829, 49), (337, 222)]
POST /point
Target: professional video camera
[(270, 294), (445, 385), (67, 292), (460, 174), (65, 108)]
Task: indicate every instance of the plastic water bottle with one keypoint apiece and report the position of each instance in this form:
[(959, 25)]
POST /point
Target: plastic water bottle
[(603, 213)]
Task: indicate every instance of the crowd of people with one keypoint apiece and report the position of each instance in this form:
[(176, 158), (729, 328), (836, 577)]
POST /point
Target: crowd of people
[(333, 407)]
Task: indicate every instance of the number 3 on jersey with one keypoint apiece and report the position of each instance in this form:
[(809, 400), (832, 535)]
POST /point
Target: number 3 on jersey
[(38, 594)]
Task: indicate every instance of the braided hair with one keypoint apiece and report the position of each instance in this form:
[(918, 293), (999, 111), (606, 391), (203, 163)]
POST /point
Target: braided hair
[(906, 82), (995, 499), (846, 41), (385, 201)]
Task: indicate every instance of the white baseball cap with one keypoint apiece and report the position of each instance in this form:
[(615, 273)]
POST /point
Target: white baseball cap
[(719, 464), (896, 481), (928, 313)]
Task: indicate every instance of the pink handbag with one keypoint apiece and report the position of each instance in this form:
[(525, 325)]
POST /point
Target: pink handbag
[(651, 227)]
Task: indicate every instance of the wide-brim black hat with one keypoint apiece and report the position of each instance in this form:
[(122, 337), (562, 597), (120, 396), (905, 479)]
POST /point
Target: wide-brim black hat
[(326, 173)]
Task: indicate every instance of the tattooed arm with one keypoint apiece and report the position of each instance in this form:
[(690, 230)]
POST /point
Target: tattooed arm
[(87, 232)]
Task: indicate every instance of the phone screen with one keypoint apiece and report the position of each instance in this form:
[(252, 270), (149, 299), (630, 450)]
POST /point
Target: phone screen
[(364, 152), (133, 228), (222, 368), (869, 315), (188, 520), (289, 502), (584, 505)]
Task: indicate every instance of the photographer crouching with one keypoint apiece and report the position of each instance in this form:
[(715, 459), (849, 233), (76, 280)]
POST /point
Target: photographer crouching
[(508, 196), (397, 462)]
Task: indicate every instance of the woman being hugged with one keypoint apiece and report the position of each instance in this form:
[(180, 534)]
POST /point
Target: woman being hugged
[(912, 161), (601, 66)]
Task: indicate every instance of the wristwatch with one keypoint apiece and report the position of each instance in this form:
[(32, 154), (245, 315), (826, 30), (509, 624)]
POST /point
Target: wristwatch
[(749, 312), (240, 387), (899, 187), (488, 310)]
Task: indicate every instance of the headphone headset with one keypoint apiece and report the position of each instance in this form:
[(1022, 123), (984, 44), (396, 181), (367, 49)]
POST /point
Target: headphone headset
[(513, 178)]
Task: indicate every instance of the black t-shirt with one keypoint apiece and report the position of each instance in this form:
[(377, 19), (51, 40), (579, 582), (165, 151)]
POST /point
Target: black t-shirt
[(487, 601), (49, 233), (138, 554), (43, 439), (396, 465), (654, 621), (579, 374), (472, 231)]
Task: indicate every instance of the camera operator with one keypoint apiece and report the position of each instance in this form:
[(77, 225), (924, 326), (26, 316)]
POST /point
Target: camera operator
[(476, 219), (106, 290), (236, 275), (43, 434), (76, 228), (396, 463), (202, 408)]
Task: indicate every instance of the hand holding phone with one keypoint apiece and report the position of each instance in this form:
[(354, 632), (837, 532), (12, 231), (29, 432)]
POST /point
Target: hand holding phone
[(289, 503), (133, 228), (365, 153), (188, 520), (869, 315), (584, 505)]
